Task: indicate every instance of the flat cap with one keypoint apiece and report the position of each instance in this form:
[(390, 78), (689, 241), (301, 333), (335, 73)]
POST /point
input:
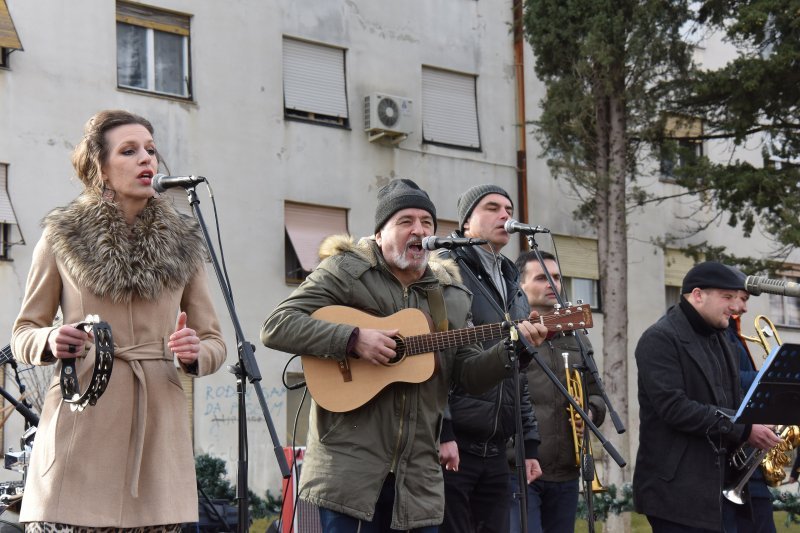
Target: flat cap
[(713, 275)]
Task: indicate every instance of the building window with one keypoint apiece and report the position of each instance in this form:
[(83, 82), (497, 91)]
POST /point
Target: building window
[(672, 295), (153, 50), (305, 228), (785, 310), (582, 289), (683, 146), (450, 109), (314, 87), (580, 271), (7, 217), (676, 265), (9, 40)]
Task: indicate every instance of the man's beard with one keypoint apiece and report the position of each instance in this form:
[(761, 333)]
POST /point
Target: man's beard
[(403, 262)]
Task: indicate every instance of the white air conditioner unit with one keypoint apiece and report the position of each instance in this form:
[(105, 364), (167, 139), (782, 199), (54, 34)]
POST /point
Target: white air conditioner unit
[(387, 116)]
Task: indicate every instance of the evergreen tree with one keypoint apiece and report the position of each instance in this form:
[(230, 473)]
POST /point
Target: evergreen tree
[(755, 97), (607, 66)]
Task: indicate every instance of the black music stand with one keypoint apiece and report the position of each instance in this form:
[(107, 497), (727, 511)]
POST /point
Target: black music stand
[(775, 392)]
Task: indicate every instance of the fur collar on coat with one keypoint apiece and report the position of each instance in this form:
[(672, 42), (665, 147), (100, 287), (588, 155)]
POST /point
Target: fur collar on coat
[(446, 270), (161, 251)]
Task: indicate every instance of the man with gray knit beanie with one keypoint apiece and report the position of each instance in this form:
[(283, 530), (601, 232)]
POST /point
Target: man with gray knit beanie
[(373, 468), (474, 435)]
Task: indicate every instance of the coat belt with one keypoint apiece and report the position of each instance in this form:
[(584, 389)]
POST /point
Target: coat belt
[(148, 351)]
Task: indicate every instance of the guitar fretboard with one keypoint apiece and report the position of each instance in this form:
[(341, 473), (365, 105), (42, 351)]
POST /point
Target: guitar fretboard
[(443, 340)]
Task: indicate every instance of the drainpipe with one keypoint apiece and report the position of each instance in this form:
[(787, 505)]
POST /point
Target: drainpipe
[(522, 158)]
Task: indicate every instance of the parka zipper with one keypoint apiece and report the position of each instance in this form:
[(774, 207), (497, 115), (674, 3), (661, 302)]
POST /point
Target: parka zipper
[(401, 426)]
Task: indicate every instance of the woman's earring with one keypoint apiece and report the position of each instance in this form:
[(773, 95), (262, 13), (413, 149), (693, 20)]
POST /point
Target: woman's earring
[(108, 194)]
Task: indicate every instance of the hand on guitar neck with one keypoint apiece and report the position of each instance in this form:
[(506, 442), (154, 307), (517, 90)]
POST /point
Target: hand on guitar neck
[(377, 346)]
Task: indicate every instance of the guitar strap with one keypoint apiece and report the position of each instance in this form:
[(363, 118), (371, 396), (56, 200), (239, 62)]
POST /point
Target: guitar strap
[(437, 307)]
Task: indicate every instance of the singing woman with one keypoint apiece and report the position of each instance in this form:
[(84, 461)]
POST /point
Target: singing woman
[(121, 252)]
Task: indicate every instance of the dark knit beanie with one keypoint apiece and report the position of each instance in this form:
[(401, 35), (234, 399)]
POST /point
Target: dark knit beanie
[(468, 200), (401, 194), (713, 275)]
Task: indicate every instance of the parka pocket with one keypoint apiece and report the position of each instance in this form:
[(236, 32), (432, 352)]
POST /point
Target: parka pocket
[(330, 426)]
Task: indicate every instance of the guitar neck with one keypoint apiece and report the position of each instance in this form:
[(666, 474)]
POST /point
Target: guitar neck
[(443, 340), (569, 319)]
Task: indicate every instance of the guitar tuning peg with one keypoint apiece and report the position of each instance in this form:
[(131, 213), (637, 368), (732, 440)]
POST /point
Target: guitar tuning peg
[(578, 302), (568, 304), (556, 306)]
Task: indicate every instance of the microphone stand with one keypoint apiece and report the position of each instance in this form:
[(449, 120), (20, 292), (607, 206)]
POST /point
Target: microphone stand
[(246, 368), (519, 441), (31, 418), (586, 461)]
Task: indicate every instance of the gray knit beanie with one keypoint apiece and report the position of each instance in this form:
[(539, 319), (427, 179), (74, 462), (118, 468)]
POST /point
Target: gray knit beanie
[(401, 194), (468, 200)]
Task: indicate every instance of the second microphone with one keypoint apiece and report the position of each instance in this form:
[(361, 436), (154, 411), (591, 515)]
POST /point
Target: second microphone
[(434, 243)]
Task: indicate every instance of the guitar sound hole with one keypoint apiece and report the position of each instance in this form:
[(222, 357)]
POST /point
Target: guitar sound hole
[(400, 351)]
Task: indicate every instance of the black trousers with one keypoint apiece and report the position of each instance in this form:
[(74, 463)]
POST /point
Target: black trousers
[(477, 497)]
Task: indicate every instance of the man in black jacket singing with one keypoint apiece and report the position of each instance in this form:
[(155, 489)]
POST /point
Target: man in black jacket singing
[(473, 440)]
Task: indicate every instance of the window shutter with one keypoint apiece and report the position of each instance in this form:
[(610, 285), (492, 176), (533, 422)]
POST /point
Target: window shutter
[(157, 19), (8, 34), (577, 256), (449, 108), (313, 78), (6, 211), (444, 227), (676, 265), (308, 225), (682, 127)]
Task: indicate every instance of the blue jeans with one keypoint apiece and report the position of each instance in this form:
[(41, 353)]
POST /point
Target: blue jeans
[(335, 522), (551, 506)]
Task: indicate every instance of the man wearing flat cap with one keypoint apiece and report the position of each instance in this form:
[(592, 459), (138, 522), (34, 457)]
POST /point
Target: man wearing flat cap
[(374, 468), (688, 376), (478, 426)]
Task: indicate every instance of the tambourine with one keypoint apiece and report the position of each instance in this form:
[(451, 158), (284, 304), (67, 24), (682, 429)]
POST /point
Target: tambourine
[(101, 373)]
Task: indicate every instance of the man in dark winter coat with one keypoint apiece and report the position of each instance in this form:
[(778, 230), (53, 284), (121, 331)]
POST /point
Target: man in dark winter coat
[(553, 498), (477, 496), (688, 384)]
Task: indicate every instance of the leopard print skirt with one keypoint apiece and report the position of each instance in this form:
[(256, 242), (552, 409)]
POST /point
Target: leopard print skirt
[(51, 527)]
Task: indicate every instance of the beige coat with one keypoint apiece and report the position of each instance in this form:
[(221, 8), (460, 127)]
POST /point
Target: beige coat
[(127, 461)]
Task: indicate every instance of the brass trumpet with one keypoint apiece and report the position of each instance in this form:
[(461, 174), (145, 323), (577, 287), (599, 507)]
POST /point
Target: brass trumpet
[(575, 388), (772, 460)]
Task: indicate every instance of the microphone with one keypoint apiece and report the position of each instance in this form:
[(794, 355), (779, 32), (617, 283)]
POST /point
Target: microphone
[(161, 182), (755, 285), (434, 243), (512, 226)]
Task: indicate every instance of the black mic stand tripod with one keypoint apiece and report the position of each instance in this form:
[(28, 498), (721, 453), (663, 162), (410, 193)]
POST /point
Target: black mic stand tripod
[(586, 460), (514, 364), (245, 369)]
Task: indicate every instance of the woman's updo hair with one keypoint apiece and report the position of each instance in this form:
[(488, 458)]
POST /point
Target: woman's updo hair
[(92, 151)]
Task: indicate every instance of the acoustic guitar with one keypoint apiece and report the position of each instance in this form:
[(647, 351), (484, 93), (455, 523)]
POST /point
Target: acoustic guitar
[(345, 385)]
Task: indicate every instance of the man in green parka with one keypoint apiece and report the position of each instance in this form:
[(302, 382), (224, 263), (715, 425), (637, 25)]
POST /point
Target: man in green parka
[(375, 467)]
